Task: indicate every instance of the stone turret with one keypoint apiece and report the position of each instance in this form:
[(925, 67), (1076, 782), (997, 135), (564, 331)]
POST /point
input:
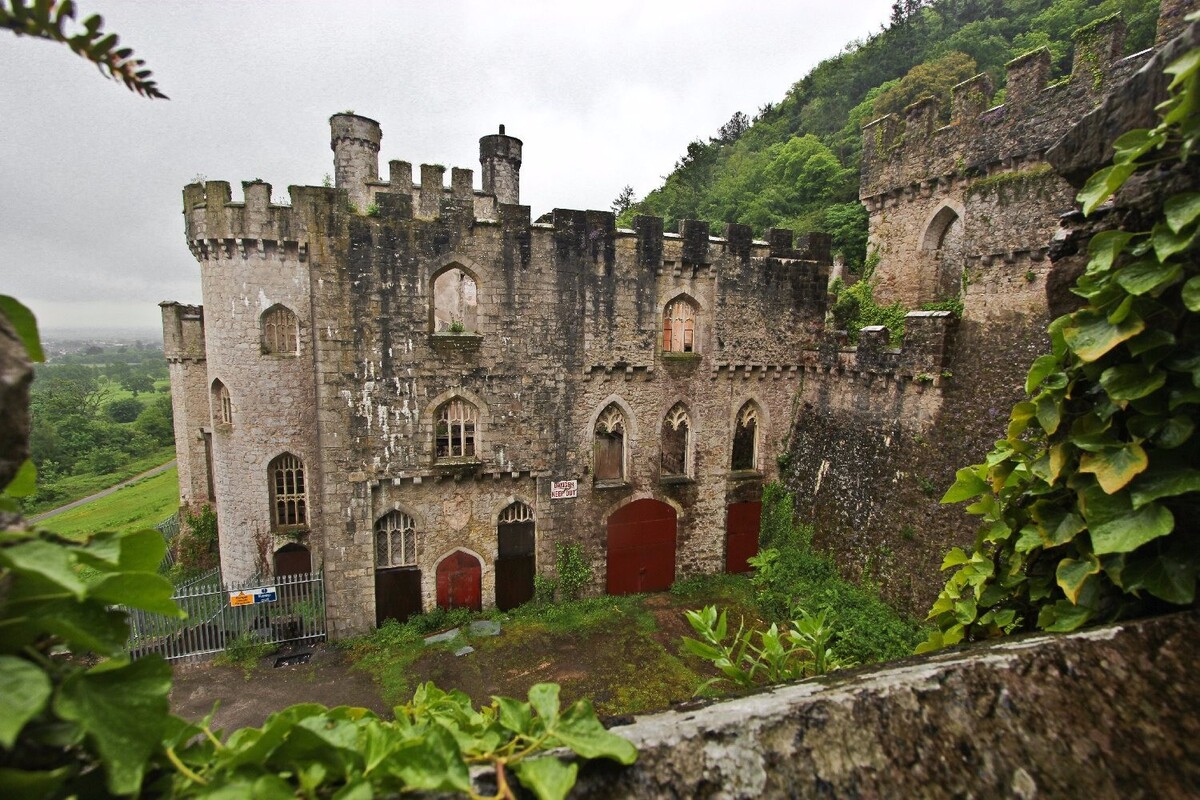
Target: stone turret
[(355, 143), (500, 156)]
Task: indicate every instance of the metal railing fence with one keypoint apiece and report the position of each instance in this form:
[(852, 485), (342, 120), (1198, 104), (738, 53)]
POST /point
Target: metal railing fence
[(285, 609)]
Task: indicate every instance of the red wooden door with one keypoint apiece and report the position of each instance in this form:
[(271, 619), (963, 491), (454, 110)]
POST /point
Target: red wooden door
[(641, 548), (741, 535), (514, 565), (459, 578), (292, 559)]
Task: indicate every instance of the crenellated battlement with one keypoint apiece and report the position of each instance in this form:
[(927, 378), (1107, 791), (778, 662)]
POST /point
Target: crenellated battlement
[(909, 154), (924, 356), (183, 332)]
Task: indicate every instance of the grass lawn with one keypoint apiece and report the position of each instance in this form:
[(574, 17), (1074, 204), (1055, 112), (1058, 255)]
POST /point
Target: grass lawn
[(75, 487), (140, 505)]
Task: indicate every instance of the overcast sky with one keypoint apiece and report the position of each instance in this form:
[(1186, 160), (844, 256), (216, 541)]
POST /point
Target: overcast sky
[(602, 94)]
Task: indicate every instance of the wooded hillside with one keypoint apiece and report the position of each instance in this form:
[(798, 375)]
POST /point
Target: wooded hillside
[(796, 163)]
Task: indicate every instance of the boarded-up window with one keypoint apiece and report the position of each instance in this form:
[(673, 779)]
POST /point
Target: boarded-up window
[(280, 331), (288, 505), (610, 445), (455, 302), (222, 404), (745, 439), (455, 430), (679, 327), (395, 540), (675, 442)]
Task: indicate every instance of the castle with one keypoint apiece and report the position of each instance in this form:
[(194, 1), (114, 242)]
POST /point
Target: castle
[(420, 391)]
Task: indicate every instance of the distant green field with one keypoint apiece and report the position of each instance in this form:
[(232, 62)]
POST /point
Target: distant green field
[(141, 505), (75, 487)]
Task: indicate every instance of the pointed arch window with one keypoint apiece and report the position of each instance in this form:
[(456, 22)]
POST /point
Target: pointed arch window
[(395, 540), (280, 332), (679, 327), (745, 439), (289, 506), (455, 429), (517, 512), (676, 442), (609, 449), (455, 302), (222, 403)]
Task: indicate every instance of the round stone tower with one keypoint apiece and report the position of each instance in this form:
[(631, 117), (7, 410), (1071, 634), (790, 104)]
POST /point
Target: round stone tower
[(500, 157), (355, 143)]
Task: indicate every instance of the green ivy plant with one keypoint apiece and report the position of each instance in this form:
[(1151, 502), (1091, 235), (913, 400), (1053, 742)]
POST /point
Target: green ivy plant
[(1089, 503)]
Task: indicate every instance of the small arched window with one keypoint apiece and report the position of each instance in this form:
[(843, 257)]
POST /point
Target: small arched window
[(676, 442), (455, 302), (280, 332), (454, 435), (745, 439), (222, 404), (289, 507), (610, 445), (516, 512), (395, 540), (679, 327)]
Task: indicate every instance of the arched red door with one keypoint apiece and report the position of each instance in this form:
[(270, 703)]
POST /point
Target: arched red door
[(742, 524), (641, 548), (459, 578)]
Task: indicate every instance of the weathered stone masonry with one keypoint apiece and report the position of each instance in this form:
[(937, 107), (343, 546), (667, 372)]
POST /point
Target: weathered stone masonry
[(567, 322)]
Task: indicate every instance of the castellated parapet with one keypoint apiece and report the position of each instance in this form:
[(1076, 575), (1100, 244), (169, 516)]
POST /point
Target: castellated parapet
[(184, 348), (973, 200), (447, 362)]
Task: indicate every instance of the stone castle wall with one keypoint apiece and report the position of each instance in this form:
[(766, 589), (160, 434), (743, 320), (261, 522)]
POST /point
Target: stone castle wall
[(183, 346)]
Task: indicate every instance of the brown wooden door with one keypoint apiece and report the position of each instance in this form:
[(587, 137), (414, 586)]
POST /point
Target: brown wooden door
[(515, 565), (641, 548), (397, 594), (741, 535), (458, 582), (292, 559)]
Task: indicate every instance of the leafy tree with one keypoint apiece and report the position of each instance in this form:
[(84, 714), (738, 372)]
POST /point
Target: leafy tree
[(933, 78), (137, 382), (732, 130), (157, 420), (124, 410), (624, 201)]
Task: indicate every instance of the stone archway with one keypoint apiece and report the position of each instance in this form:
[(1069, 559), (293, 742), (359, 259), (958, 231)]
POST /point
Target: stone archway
[(641, 548)]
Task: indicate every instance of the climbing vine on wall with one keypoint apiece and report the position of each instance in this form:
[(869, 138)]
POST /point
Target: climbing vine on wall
[(1090, 503)]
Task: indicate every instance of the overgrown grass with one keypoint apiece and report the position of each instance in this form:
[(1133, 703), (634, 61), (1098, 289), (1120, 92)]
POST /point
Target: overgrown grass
[(791, 574), (245, 652), (75, 487), (140, 505), (581, 616)]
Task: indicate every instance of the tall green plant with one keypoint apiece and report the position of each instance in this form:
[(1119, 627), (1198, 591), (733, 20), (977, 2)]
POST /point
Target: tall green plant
[(1089, 503)]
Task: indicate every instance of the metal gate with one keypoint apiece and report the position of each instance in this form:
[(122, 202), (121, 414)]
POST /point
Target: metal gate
[(641, 548), (742, 522), (459, 579), (289, 608)]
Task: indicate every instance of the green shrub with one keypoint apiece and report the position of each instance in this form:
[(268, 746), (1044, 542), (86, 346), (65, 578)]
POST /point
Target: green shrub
[(855, 308), (574, 571), (245, 652)]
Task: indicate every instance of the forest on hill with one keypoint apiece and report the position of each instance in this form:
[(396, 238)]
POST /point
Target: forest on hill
[(795, 164)]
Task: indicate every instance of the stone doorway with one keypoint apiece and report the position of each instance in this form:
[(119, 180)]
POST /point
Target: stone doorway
[(641, 548), (459, 579), (397, 594)]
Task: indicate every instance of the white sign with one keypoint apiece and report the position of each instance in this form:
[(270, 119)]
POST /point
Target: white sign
[(564, 490)]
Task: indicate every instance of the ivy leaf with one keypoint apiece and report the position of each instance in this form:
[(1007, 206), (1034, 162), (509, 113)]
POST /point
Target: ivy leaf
[(432, 762), (1058, 459), (1169, 575), (1042, 366), (1191, 293), (1092, 335), (955, 557), (1131, 381), (1102, 184), (544, 699), (1048, 413), (579, 730), (1147, 275), (1175, 431), (1182, 209), (1167, 243), (1072, 573), (548, 778), (967, 484), (1128, 532), (25, 324), (1164, 481), (50, 561), (26, 690), (124, 712), (517, 716), (1063, 617), (144, 590), (141, 550), (1115, 468), (24, 483)]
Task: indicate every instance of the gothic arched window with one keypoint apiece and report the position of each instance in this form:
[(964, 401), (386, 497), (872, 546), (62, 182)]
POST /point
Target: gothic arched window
[(676, 442), (679, 327), (455, 428), (395, 540), (610, 445), (280, 332), (745, 439), (289, 508)]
